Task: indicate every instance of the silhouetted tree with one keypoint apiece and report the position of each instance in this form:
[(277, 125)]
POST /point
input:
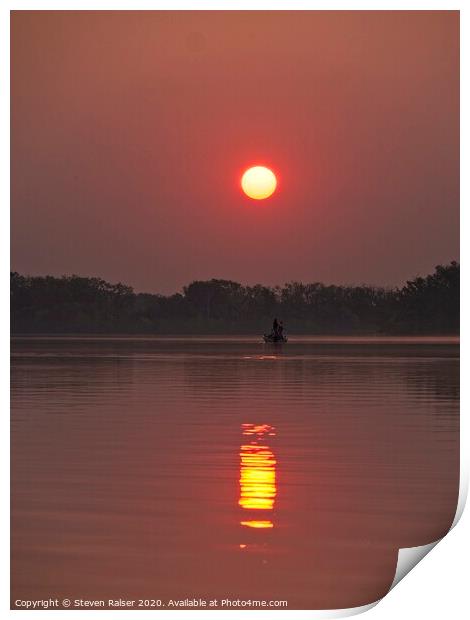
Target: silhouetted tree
[(430, 304)]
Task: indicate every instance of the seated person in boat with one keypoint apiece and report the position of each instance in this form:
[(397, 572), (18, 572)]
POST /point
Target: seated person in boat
[(277, 332)]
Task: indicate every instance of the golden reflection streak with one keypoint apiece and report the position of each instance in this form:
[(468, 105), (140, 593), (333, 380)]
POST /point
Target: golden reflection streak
[(257, 474), (258, 524)]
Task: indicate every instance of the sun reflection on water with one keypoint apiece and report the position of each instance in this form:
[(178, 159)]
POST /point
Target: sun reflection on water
[(257, 475)]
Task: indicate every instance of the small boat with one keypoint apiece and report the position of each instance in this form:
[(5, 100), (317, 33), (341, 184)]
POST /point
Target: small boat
[(274, 339)]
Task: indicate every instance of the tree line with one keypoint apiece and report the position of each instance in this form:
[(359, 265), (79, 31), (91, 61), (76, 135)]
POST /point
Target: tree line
[(74, 304)]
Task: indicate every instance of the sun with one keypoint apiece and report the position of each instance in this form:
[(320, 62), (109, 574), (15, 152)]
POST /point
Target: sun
[(259, 182)]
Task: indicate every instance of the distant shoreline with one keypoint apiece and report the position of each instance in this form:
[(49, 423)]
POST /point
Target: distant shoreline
[(451, 338), (427, 305), (234, 334)]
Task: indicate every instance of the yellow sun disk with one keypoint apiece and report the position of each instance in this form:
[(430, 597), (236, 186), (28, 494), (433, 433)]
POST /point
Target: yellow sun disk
[(259, 182)]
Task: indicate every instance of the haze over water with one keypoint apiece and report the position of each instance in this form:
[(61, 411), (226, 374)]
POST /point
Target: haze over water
[(167, 468)]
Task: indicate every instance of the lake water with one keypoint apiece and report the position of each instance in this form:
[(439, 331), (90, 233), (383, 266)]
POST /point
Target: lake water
[(223, 468)]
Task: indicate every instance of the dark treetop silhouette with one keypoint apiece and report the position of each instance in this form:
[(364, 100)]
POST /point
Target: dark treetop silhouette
[(73, 304)]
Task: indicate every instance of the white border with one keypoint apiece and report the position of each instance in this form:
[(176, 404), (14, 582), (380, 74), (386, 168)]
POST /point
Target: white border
[(439, 587)]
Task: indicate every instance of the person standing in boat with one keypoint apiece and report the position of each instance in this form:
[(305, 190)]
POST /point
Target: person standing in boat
[(280, 329), (275, 331)]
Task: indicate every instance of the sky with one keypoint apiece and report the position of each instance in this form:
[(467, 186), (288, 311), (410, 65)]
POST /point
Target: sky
[(130, 132)]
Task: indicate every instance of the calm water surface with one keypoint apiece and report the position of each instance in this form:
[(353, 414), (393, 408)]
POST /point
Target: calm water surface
[(168, 468)]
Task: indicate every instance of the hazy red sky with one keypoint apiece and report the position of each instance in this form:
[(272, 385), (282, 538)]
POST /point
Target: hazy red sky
[(130, 131)]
